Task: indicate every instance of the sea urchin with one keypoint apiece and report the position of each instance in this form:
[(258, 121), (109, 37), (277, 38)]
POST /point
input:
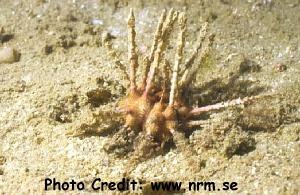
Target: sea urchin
[(148, 106)]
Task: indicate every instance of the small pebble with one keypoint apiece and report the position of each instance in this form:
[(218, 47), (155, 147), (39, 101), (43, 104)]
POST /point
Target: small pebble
[(280, 67), (96, 22), (9, 55)]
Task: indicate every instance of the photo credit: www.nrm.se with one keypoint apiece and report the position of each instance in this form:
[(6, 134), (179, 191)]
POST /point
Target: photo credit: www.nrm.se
[(126, 184)]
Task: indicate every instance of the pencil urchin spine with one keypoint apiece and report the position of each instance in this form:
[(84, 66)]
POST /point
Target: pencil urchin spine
[(178, 58), (132, 55), (150, 58)]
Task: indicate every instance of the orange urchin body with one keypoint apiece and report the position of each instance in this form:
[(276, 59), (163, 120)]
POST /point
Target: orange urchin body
[(151, 114)]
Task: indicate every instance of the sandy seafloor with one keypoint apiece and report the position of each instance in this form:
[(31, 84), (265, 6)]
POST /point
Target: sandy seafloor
[(44, 95)]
